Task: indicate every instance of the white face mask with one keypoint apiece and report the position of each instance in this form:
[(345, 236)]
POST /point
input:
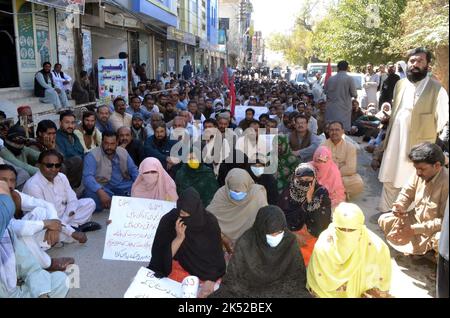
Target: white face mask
[(257, 171), (273, 241)]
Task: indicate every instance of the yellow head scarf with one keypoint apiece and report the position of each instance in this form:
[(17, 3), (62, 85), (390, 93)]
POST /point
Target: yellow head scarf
[(348, 259)]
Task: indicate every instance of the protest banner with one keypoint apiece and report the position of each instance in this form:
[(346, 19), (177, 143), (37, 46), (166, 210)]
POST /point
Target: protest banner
[(146, 285), (112, 80), (134, 221)]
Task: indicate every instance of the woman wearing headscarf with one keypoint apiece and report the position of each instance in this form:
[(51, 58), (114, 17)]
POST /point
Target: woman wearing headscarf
[(349, 260), (154, 182), (266, 262), (287, 162), (328, 175), (307, 208), (256, 170), (17, 264), (199, 176), (236, 203), (188, 242)]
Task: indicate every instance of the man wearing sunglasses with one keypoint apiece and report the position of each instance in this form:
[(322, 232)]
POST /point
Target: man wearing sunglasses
[(53, 186), (16, 153)]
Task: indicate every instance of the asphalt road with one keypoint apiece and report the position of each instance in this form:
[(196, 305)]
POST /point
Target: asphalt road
[(110, 279)]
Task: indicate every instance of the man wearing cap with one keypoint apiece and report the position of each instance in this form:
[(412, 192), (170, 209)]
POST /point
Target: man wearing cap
[(16, 153), (138, 128), (45, 88)]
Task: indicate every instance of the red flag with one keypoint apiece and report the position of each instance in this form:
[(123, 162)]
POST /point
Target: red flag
[(329, 71), (233, 95), (225, 76)]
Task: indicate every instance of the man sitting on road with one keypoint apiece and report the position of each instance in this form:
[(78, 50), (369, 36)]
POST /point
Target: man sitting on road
[(108, 170), (36, 222), (51, 185), (417, 231), (303, 142), (134, 147), (89, 136), (346, 158)]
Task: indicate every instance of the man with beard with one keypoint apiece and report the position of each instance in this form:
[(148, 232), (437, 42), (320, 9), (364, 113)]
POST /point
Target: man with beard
[(134, 147), (108, 170), (419, 113), (159, 146), (67, 142), (138, 129), (82, 91), (16, 153), (25, 113), (46, 140), (387, 87), (170, 112), (45, 88), (102, 122), (89, 136)]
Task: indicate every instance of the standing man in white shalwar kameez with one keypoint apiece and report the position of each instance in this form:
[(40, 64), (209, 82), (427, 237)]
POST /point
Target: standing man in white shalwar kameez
[(51, 185), (419, 113), (371, 83)]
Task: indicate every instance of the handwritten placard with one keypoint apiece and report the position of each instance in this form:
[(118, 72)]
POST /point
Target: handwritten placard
[(146, 285), (134, 222)]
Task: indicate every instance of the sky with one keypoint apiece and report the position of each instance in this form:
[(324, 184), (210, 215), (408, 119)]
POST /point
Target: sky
[(278, 16)]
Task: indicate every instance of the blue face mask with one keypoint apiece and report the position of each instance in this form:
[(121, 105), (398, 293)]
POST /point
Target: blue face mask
[(238, 196), (273, 241)]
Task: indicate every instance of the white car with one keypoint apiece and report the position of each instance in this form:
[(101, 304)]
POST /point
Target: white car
[(300, 79), (358, 78)]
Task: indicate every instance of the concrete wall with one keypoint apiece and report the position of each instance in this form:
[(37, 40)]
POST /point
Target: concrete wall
[(108, 43)]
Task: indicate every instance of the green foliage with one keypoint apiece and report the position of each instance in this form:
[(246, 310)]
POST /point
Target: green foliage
[(294, 46), (423, 23), (353, 32)]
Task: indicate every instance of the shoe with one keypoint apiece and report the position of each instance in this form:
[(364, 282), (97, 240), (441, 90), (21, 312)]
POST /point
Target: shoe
[(89, 226), (60, 264), (374, 218)]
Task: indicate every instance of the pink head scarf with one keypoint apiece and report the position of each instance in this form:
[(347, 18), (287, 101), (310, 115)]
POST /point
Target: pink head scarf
[(156, 186), (328, 175)]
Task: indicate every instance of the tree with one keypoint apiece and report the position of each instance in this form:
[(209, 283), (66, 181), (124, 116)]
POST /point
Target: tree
[(425, 23), (359, 31), (296, 46)]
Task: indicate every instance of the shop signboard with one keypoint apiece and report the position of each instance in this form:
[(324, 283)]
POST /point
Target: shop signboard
[(69, 6)]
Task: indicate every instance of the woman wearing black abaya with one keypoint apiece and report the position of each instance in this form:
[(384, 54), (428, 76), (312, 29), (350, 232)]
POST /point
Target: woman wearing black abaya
[(188, 242), (238, 159), (266, 262)]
